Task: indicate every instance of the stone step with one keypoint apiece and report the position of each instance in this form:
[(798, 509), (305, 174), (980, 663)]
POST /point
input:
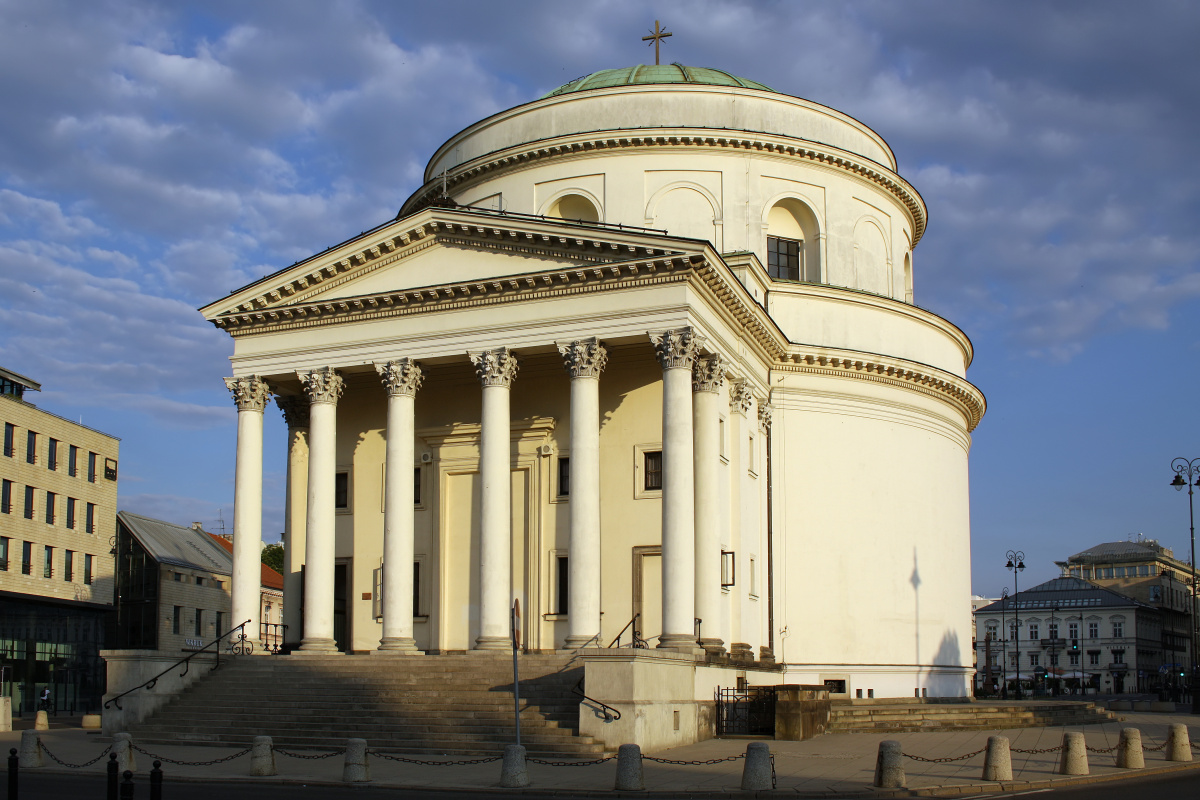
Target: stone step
[(578, 747)]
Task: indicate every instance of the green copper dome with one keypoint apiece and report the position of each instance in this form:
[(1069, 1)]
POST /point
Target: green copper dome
[(665, 73)]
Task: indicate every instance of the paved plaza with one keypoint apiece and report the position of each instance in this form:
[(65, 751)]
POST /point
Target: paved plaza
[(836, 765)]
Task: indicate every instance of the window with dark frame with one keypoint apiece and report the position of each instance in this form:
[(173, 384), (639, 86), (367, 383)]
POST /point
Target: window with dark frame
[(29, 490), (783, 258), (110, 469), (416, 486), (48, 562), (10, 435), (73, 461), (27, 558), (52, 456), (728, 568), (31, 447), (562, 585), (92, 467), (6, 497), (90, 524), (199, 628), (50, 503), (653, 470), (176, 618), (416, 588), (68, 565), (87, 568), (4, 543), (341, 490), (71, 501), (564, 476)]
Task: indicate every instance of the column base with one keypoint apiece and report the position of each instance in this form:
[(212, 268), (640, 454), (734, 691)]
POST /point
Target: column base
[(397, 646), (580, 642), (322, 646), (714, 647), (680, 643), (493, 643), (742, 652)]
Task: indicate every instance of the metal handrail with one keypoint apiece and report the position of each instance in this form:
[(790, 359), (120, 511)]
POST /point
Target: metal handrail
[(186, 662), (638, 642), (610, 714)]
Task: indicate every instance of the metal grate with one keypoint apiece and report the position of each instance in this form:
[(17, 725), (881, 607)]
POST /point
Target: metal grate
[(746, 712)]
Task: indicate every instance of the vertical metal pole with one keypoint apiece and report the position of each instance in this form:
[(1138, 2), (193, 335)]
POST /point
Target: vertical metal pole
[(156, 778), (515, 621), (1192, 610), (14, 764), (112, 776)]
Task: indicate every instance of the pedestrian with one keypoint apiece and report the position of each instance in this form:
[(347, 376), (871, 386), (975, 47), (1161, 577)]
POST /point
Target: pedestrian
[(44, 703)]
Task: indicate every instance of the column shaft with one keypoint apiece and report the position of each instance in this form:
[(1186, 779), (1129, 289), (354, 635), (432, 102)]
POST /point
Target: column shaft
[(247, 523), (324, 387), (707, 377), (293, 539)]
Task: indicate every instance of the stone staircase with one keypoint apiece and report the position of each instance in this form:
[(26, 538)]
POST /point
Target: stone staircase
[(459, 704), (898, 715)]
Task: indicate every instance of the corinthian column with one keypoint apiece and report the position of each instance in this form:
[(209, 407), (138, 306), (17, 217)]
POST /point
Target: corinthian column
[(401, 378), (324, 387), (708, 374), (295, 414), (585, 360), (496, 370), (250, 393), (676, 350)]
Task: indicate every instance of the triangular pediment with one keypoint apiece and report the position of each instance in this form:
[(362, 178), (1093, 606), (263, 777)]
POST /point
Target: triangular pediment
[(444, 247)]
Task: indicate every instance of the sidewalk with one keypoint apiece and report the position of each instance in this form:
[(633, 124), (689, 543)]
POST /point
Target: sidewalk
[(841, 765)]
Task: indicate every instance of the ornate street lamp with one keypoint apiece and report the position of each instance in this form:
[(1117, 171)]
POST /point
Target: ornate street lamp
[(1016, 563), (1004, 639), (1185, 471)]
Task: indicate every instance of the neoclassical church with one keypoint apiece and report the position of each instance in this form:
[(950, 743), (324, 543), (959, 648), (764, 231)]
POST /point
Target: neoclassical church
[(644, 355)]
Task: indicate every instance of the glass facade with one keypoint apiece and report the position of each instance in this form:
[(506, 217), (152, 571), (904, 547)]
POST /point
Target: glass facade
[(55, 646)]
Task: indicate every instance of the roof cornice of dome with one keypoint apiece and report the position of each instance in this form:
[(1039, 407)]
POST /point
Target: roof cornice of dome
[(644, 74)]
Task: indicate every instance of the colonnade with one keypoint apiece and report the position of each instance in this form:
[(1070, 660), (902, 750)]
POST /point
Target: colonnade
[(691, 550)]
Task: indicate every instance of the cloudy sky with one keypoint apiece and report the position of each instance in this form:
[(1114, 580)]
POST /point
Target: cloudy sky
[(155, 156)]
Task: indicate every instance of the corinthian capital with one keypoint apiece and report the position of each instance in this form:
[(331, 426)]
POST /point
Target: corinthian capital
[(323, 385), (295, 410), (741, 396), (250, 392), (676, 349), (401, 377), (708, 373), (495, 367), (765, 411), (583, 358)]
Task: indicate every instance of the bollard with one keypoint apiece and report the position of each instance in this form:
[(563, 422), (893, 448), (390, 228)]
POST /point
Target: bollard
[(1074, 760), (1179, 746), (127, 786), (756, 771), (355, 768), (629, 769), (31, 749), (889, 766), (262, 756), (123, 746), (14, 764), (513, 774), (997, 764), (42, 721), (156, 781), (1129, 749), (114, 776)]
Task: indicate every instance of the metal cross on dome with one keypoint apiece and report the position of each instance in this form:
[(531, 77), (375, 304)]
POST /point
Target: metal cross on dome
[(657, 36)]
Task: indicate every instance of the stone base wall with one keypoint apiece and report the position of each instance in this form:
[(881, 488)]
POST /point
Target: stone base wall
[(129, 668)]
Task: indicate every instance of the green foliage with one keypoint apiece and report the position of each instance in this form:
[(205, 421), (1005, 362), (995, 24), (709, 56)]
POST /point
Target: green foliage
[(272, 556)]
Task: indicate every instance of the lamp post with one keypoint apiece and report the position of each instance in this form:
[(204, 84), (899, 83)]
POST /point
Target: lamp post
[(1185, 471), (1016, 563)]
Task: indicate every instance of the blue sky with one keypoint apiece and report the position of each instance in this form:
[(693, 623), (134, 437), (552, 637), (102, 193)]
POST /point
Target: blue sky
[(155, 156)]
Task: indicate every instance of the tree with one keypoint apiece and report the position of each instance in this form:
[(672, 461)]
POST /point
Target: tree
[(272, 556)]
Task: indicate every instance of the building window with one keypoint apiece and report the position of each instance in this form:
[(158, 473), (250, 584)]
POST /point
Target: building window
[(219, 623), (1013, 659), (4, 553), (1033, 631), (562, 585), (52, 455), (653, 470), (92, 467), (728, 569), (199, 629), (31, 448), (27, 558), (416, 588), (1073, 630), (199, 581), (1094, 659), (416, 486), (71, 513), (1052, 630), (1118, 656), (90, 524), (6, 497), (1054, 659), (28, 502), (1118, 630), (783, 258), (1120, 572), (50, 503), (10, 435), (87, 568), (1013, 632), (993, 630), (73, 461), (110, 469), (752, 589), (341, 490), (1093, 630), (1035, 660), (1073, 659), (177, 577), (176, 618), (68, 565), (48, 562), (564, 476)]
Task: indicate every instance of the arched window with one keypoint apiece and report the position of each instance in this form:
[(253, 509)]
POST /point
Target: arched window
[(792, 242), (574, 207)]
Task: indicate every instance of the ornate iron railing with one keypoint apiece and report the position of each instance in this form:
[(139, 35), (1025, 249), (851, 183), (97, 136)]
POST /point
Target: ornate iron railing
[(636, 639), (610, 714)]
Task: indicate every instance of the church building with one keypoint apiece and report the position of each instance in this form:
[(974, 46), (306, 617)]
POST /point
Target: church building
[(644, 355)]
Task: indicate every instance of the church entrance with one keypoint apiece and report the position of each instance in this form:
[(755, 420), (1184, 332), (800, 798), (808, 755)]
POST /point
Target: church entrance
[(340, 632), (647, 592)]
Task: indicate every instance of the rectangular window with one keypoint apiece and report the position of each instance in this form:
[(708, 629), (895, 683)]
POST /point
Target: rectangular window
[(416, 588), (6, 497), (341, 490), (68, 565), (1093, 659), (90, 523), (10, 435), (562, 586), (178, 577), (52, 455), (31, 448), (1093, 630), (87, 568), (1073, 659), (1052, 630), (199, 581), (416, 486), (110, 469), (564, 477), (783, 258), (1035, 660), (1073, 630), (1033, 631), (4, 540), (1013, 632), (27, 558), (199, 629), (29, 502), (50, 503), (48, 562), (73, 461), (1054, 659), (176, 618), (219, 623), (753, 587), (92, 467), (1118, 630), (728, 569), (653, 471), (1013, 658), (71, 513)]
